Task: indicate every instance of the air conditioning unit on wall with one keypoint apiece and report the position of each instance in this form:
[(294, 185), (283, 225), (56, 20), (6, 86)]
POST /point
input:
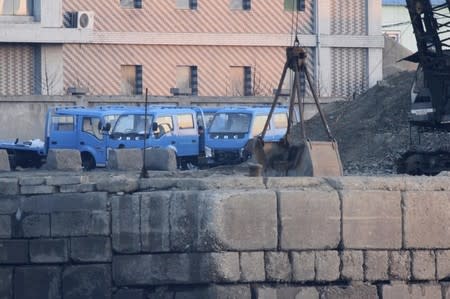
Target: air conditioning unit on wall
[(85, 20)]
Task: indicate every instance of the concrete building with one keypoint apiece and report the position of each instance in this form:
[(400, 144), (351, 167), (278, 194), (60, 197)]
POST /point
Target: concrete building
[(397, 23), (199, 47)]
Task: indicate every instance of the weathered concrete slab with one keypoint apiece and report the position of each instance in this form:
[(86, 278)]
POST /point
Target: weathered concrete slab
[(278, 266), (327, 265), (91, 249), (160, 159), (48, 251), (252, 266), (35, 225), (63, 159), (281, 292), (9, 204), (67, 202), (126, 159), (126, 223), (354, 291), (155, 233), (155, 269), (298, 183), (41, 189), (415, 291), (400, 265), (443, 264), (4, 161), (80, 223), (309, 220), (65, 180), (118, 183), (377, 265), (13, 251), (5, 226), (423, 265), (213, 291), (37, 282), (427, 212), (9, 186), (303, 266), (6, 282), (372, 220), (352, 265), (131, 293), (89, 282)]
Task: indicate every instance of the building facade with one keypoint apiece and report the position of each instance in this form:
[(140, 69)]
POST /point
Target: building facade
[(197, 47)]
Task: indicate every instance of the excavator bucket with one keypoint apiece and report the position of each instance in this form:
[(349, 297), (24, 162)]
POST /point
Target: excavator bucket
[(309, 158), (319, 158)]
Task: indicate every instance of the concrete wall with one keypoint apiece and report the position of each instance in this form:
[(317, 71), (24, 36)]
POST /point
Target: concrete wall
[(23, 117), (101, 235)]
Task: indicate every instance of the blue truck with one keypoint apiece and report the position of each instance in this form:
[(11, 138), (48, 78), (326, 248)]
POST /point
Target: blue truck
[(232, 128), (93, 131)]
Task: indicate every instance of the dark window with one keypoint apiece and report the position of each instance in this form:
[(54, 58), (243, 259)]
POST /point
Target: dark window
[(294, 5), (131, 3), (248, 81), (186, 4), (131, 79), (240, 4)]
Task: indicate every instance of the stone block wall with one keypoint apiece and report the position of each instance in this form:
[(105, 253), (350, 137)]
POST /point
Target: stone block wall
[(113, 235)]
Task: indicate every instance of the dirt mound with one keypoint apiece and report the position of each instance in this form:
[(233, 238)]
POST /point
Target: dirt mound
[(372, 130)]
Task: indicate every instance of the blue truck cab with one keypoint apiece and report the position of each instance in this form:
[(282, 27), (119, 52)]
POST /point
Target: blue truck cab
[(232, 128), (93, 131)]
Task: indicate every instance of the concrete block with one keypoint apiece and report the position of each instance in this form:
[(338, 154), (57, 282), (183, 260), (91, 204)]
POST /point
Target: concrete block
[(252, 266), (352, 265), (213, 291), (125, 159), (265, 292), (423, 265), (377, 265), (372, 219), (158, 269), (427, 212), (400, 265), (9, 205), (353, 291), (119, 183), (309, 220), (303, 266), (13, 251), (5, 226), (278, 266), (4, 161), (225, 182), (155, 233), (64, 180), (295, 292), (131, 294), (45, 204), (41, 189), (63, 159), (126, 223), (36, 225), (81, 223), (37, 282), (327, 265), (414, 291), (298, 183), (371, 183), (48, 251), (6, 284), (443, 264), (160, 159), (31, 181), (208, 221), (9, 186), (79, 188), (91, 249), (89, 282)]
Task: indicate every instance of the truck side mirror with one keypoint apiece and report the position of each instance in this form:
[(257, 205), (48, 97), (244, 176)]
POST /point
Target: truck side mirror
[(106, 127), (154, 126)]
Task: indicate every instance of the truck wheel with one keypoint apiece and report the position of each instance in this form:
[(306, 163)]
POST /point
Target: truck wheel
[(87, 161)]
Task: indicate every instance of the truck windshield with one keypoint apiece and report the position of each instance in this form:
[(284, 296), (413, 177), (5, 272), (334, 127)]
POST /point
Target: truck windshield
[(132, 124), (230, 122)]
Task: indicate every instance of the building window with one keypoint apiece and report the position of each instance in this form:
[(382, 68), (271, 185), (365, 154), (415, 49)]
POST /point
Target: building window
[(240, 4), (294, 5), (186, 81), (131, 79), (16, 7), (241, 80), (186, 4), (131, 3)]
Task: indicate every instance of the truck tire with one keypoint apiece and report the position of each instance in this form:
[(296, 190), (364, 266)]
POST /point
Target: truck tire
[(87, 161)]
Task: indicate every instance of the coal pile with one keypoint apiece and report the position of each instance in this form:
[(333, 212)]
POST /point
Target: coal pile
[(372, 130)]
